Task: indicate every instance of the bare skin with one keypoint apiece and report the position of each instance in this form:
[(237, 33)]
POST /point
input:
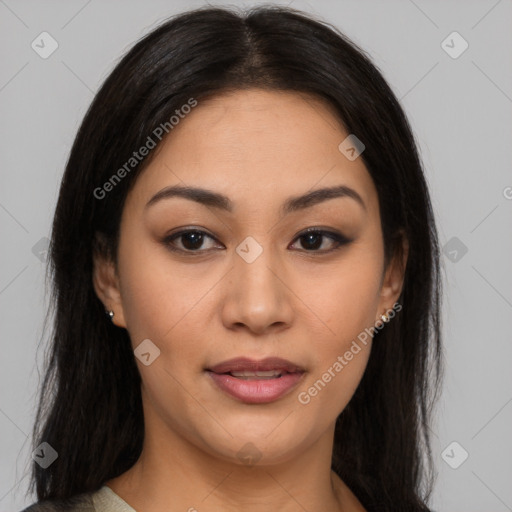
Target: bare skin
[(304, 300)]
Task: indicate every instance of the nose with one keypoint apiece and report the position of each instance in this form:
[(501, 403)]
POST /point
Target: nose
[(258, 297)]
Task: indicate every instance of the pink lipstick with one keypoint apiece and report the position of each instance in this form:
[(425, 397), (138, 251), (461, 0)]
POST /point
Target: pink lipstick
[(256, 382)]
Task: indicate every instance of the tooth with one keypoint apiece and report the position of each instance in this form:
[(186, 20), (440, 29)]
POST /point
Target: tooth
[(270, 373), (264, 374)]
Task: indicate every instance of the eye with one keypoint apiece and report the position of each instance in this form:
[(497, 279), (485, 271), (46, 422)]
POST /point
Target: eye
[(191, 240), (314, 238)]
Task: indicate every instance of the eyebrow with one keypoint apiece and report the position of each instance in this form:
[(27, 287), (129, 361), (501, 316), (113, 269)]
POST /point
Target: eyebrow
[(220, 201)]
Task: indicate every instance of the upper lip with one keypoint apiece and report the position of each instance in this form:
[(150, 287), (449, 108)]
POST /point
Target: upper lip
[(240, 364)]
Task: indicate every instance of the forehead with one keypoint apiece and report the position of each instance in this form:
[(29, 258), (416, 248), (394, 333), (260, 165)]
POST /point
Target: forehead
[(256, 143)]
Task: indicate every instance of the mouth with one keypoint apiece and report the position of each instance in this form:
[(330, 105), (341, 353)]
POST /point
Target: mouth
[(256, 382), (246, 375)]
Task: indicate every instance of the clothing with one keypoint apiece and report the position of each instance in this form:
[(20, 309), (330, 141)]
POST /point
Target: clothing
[(102, 500)]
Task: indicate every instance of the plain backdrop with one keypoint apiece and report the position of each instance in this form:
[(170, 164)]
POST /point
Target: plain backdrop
[(459, 106)]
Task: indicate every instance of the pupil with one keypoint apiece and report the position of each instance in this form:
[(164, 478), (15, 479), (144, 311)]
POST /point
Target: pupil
[(313, 237), (192, 240)]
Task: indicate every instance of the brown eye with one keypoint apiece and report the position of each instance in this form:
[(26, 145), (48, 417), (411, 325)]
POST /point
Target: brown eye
[(190, 241), (314, 239)]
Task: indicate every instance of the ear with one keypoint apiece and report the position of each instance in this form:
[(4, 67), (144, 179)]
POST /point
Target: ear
[(393, 279), (106, 281)]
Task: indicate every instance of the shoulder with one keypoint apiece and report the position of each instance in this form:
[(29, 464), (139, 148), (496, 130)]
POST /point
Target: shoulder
[(79, 503)]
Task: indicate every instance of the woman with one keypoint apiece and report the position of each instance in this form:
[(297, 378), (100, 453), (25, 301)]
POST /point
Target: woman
[(245, 201)]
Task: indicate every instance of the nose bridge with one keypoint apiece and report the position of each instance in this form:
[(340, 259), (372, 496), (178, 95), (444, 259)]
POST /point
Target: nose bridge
[(254, 268), (257, 297)]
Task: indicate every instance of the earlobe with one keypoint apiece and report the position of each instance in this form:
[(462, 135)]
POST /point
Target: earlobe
[(394, 276), (106, 286)]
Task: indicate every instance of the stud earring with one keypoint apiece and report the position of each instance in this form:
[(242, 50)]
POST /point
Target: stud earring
[(385, 318), (110, 314)]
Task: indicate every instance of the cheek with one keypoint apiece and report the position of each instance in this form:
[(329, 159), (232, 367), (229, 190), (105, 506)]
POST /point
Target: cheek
[(346, 304), (162, 303), (148, 291), (345, 297)]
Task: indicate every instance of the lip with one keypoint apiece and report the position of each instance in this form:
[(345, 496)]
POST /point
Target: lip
[(239, 364), (256, 391)]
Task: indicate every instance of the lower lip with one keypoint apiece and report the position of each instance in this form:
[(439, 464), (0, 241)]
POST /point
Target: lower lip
[(257, 391)]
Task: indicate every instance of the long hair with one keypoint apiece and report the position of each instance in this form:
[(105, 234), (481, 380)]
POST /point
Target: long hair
[(90, 408)]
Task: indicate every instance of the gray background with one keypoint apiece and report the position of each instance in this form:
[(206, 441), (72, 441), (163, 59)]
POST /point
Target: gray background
[(459, 109)]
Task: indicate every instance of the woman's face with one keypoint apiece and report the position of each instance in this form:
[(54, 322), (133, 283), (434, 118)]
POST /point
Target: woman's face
[(229, 272)]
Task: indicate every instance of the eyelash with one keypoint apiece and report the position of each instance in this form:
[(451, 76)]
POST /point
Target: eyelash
[(336, 237)]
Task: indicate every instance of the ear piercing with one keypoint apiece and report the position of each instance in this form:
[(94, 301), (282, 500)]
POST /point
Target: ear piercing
[(385, 318)]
